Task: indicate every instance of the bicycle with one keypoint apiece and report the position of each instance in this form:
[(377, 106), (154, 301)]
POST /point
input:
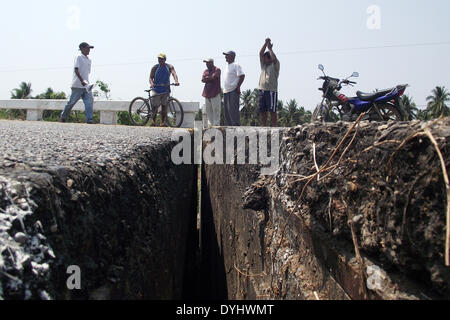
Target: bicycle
[(141, 109)]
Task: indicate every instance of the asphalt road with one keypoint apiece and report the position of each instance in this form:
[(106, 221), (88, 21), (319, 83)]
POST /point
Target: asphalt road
[(40, 144)]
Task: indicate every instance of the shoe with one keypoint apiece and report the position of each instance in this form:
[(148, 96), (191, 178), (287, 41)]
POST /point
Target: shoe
[(62, 120)]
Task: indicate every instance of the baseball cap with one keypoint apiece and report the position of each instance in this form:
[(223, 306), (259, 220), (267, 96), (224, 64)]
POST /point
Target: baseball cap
[(230, 53), (162, 56), (85, 45), (209, 60)]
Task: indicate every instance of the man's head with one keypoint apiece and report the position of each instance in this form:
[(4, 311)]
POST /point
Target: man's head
[(268, 58), (162, 59), (230, 56), (85, 48), (209, 63)]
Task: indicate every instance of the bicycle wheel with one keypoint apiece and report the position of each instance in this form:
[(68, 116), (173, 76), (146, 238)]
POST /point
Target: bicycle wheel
[(139, 112), (175, 113), (390, 113)]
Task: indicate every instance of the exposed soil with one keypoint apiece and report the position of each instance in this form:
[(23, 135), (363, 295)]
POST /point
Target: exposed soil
[(398, 211)]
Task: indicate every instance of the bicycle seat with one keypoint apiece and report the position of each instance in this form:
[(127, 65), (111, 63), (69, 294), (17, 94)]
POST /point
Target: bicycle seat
[(148, 90)]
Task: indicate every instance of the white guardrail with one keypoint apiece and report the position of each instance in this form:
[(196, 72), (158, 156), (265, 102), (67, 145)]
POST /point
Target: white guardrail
[(108, 109)]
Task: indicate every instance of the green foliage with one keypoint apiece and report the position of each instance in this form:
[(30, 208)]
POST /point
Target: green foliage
[(123, 118), (289, 115), (199, 116), (51, 95), (410, 107), (22, 92), (292, 115), (103, 87), (437, 106)]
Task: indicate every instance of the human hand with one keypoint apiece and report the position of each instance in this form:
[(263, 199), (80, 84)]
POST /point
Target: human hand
[(85, 83), (177, 84)]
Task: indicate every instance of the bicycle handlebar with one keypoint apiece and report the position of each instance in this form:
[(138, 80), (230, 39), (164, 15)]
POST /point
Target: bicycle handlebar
[(165, 85)]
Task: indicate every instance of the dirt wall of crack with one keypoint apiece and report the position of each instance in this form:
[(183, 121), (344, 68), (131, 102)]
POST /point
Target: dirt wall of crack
[(129, 226), (289, 236)]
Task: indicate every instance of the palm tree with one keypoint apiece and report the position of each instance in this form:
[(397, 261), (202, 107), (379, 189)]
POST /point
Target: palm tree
[(437, 103), (410, 107), (246, 98), (51, 95), (23, 92), (292, 115), (249, 111), (49, 115)]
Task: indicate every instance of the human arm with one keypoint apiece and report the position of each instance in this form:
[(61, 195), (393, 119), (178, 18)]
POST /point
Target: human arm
[(209, 78), (241, 81), (83, 82), (272, 54), (152, 76), (263, 50), (206, 78), (175, 76)]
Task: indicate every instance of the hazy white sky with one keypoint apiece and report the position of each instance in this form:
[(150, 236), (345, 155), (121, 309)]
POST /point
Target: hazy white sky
[(39, 41)]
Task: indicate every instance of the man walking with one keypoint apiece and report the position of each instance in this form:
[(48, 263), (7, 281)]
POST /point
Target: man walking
[(81, 89), (160, 84), (268, 84), (211, 93), (234, 77)]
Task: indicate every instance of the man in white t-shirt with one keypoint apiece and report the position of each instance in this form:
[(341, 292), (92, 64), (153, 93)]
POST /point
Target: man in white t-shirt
[(234, 77), (81, 89)]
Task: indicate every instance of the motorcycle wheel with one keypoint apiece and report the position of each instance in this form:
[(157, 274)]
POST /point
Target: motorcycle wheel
[(316, 116), (321, 114), (389, 112)]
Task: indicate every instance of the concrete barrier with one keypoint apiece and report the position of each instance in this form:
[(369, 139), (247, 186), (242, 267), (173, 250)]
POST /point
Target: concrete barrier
[(108, 109)]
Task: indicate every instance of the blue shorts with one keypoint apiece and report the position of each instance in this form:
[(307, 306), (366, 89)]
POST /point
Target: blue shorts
[(268, 101)]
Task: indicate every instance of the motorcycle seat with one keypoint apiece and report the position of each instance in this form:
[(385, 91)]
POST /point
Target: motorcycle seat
[(374, 95)]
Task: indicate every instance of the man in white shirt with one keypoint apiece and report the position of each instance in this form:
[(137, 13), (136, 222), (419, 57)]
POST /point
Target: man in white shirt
[(81, 89), (234, 77)]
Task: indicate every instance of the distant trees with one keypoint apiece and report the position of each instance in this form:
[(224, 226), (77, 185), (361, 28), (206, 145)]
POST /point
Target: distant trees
[(410, 107), (437, 106), (103, 87), (51, 95), (289, 115), (22, 92)]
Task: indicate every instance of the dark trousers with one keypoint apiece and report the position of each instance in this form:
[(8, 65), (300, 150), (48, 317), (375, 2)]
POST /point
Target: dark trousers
[(231, 105)]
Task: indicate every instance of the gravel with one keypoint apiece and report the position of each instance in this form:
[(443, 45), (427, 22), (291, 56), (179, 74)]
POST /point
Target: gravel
[(44, 144)]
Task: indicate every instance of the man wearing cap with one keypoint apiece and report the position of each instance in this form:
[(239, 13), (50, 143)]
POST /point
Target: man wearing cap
[(234, 77), (81, 89), (268, 83), (211, 93), (160, 84)]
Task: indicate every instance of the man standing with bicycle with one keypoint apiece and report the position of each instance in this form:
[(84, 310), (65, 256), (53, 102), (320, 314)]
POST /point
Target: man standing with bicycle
[(160, 85)]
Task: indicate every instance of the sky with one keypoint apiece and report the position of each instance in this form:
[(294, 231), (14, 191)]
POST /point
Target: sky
[(387, 42)]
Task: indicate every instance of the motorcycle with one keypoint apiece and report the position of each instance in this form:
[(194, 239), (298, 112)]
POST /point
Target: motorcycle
[(381, 105)]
